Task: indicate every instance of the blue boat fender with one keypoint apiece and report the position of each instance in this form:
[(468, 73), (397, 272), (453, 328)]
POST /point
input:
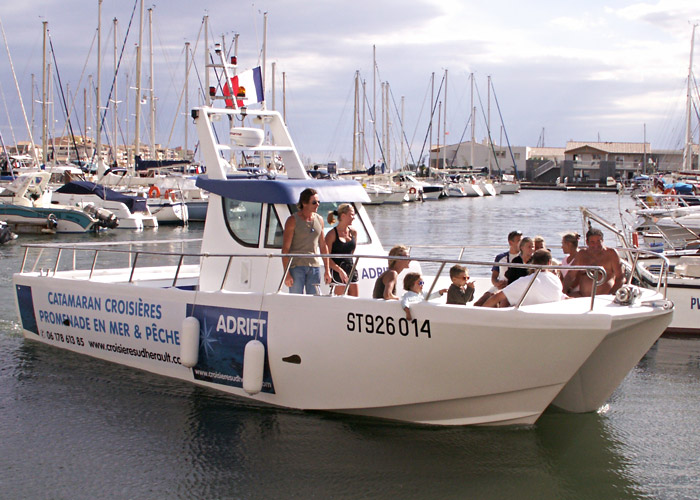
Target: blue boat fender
[(189, 342), (253, 364)]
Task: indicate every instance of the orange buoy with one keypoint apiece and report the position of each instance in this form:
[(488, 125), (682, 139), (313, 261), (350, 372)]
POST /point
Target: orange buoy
[(635, 239), (169, 194), (154, 192)]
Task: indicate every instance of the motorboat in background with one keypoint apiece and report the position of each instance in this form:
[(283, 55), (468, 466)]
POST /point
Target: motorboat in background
[(169, 209), (382, 194), (26, 205), (417, 190), (132, 211), (462, 187), (508, 184)]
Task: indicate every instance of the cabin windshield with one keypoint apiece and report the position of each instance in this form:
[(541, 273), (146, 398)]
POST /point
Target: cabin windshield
[(274, 230), (325, 207), (243, 220)]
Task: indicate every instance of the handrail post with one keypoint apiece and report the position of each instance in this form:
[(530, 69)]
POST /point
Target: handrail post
[(94, 264), (228, 266), (437, 276), (595, 286), (24, 259), (58, 257), (529, 285), (133, 266), (352, 271), (177, 271), (284, 275)]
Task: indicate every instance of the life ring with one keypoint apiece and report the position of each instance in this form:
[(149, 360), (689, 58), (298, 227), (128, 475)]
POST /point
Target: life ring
[(412, 190), (635, 239), (154, 192), (169, 194)]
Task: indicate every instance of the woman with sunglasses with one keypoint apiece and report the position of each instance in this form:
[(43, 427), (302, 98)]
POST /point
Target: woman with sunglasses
[(342, 239), (413, 284), (303, 234)]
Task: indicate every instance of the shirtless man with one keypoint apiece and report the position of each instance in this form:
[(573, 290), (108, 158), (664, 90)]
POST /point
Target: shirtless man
[(596, 254)]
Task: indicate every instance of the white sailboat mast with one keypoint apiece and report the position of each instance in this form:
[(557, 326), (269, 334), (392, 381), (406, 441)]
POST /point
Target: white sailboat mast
[(473, 113), (207, 97), (444, 127), (153, 84), (98, 98), (264, 59), (374, 103), (430, 125), (688, 150), (488, 125), (137, 118), (355, 118), (187, 93), (387, 139), (403, 118), (44, 108), (114, 99)]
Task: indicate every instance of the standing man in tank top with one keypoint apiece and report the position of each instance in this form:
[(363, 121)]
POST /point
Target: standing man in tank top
[(303, 234)]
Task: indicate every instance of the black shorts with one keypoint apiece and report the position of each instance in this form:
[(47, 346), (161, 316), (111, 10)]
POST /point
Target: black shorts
[(347, 267)]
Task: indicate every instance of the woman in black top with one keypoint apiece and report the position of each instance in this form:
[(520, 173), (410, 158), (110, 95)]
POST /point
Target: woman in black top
[(527, 248), (342, 239)]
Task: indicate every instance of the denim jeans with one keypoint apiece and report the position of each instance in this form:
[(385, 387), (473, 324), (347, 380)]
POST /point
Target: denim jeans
[(305, 277)]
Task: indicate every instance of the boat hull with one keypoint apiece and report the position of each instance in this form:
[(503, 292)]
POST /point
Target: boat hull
[(685, 294), (452, 366), (610, 363), (23, 219)]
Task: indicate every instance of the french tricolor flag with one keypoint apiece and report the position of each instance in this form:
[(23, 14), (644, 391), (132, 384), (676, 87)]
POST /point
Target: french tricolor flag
[(247, 87)]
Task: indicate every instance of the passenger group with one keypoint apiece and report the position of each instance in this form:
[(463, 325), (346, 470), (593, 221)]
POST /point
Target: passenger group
[(510, 278)]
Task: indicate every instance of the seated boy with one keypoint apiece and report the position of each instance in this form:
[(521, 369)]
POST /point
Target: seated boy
[(461, 291)]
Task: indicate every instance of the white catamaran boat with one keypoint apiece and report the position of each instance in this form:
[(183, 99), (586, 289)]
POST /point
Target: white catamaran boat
[(219, 317)]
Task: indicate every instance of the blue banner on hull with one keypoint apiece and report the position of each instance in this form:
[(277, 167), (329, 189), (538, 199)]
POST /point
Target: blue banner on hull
[(26, 308), (223, 335)]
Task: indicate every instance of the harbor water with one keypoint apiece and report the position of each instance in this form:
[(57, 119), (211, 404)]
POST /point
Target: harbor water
[(76, 427)]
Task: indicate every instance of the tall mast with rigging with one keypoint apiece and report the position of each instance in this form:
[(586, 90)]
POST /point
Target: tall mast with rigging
[(688, 149)]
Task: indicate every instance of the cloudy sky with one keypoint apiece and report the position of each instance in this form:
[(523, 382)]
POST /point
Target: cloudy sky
[(600, 70)]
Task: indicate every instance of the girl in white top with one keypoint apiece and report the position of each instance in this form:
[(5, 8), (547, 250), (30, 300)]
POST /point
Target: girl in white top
[(413, 284)]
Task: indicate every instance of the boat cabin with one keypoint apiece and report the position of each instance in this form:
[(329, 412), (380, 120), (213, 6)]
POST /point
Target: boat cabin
[(247, 216)]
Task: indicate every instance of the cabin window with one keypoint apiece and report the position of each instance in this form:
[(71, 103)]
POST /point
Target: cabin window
[(273, 229), (243, 220), (359, 225)]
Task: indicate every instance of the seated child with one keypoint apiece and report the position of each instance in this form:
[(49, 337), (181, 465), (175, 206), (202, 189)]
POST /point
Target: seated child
[(461, 291), (413, 283)]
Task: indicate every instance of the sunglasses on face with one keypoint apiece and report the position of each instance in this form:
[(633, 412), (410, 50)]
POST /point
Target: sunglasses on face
[(314, 202), (421, 282)]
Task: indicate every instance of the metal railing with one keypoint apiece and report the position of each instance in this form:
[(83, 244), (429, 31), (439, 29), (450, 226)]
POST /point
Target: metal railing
[(596, 273), (631, 254)]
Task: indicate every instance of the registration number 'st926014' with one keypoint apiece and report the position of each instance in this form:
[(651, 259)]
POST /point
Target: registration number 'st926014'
[(386, 325)]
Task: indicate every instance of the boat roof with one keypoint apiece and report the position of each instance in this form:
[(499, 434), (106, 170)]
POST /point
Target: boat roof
[(134, 203), (282, 190)]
